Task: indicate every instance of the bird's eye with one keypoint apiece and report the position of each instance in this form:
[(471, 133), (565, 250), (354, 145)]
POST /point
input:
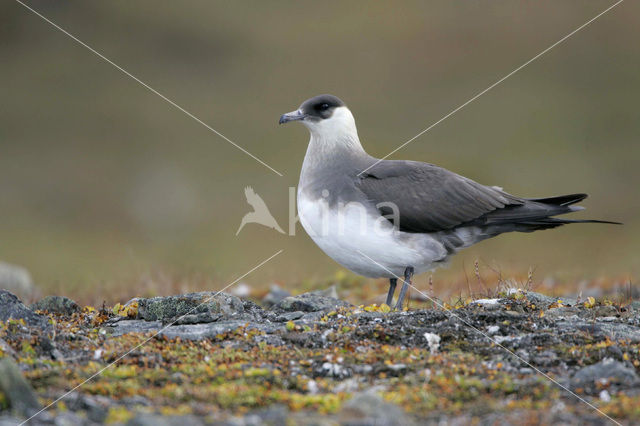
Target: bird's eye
[(324, 107)]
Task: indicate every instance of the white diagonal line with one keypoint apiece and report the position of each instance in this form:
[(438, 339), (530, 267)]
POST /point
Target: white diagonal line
[(154, 335), (146, 86), (493, 85), (494, 341)]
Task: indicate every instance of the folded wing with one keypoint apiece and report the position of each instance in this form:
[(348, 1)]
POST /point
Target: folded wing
[(431, 199)]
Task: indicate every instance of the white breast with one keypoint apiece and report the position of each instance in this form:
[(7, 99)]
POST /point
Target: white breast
[(364, 242)]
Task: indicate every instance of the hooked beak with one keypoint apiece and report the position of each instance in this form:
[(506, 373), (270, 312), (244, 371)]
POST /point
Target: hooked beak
[(292, 116)]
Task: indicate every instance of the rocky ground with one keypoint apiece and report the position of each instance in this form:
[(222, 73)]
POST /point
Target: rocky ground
[(203, 358)]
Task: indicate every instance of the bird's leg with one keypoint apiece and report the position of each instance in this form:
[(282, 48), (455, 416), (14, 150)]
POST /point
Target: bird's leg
[(408, 273), (392, 289)]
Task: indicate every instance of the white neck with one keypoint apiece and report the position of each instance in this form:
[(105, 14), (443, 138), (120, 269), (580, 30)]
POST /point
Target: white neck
[(334, 149), (335, 135)]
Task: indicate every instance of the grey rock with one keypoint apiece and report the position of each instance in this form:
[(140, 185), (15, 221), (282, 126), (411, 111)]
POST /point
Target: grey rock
[(310, 302), (253, 310), (311, 317), (615, 352), (95, 412), (9, 421), (12, 308), (17, 280), (132, 401), (158, 420), (540, 300), (188, 331), (368, 408), (17, 390), (289, 316), (56, 305), (203, 304), (132, 326), (68, 418), (615, 331), (563, 312), (605, 311), (201, 318), (605, 371), (276, 414), (96, 408), (6, 348), (275, 295), (211, 330), (269, 339)]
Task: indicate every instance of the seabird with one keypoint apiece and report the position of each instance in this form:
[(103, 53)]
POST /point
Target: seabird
[(392, 218)]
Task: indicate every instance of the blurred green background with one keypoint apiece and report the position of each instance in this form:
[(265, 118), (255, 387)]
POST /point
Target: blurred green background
[(107, 191)]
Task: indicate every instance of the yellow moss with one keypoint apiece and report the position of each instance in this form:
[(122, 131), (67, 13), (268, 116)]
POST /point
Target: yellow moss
[(384, 308), (118, 415), (130, 310), (27, 348), (4, 404), (116, 308), (257, 372)]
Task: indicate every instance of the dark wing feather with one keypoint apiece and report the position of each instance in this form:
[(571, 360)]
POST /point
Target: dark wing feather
[(430, 198)]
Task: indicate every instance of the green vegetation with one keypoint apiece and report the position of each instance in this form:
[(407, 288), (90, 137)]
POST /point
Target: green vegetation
[(236, 372)]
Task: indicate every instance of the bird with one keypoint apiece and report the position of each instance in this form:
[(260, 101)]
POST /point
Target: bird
[(260, 213), (395, 218)]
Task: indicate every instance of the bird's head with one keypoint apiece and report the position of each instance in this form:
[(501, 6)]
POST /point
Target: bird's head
[(324, 116)]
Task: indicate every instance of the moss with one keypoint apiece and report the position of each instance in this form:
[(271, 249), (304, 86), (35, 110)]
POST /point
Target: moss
[(234, 372), (118, 415), (4, 403)]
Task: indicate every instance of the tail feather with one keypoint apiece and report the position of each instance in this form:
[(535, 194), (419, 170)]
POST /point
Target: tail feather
[(560, 200), (552, 222), (535, 214)]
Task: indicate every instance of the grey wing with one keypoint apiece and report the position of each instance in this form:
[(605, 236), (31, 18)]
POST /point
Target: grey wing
[(430, 198)]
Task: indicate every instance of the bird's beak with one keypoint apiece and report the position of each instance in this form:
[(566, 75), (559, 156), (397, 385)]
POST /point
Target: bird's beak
[(292, 116)]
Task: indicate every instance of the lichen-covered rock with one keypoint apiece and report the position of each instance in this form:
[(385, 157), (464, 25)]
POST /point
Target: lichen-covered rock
[(606, 372), (314, 361), (196, 331), (563, 312), (310, 302), (368, 408), (206, 306), (21, 397), (56, 305), (605, 311), (6, 348), (158, 420), (211, 330), (289, 316), (540, 300), (12, 308)]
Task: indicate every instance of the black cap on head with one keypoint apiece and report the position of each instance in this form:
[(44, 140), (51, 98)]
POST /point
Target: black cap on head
[(320, 107), (315, 109)]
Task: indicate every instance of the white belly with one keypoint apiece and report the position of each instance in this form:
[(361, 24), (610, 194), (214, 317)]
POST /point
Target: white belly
[(364, 242)]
